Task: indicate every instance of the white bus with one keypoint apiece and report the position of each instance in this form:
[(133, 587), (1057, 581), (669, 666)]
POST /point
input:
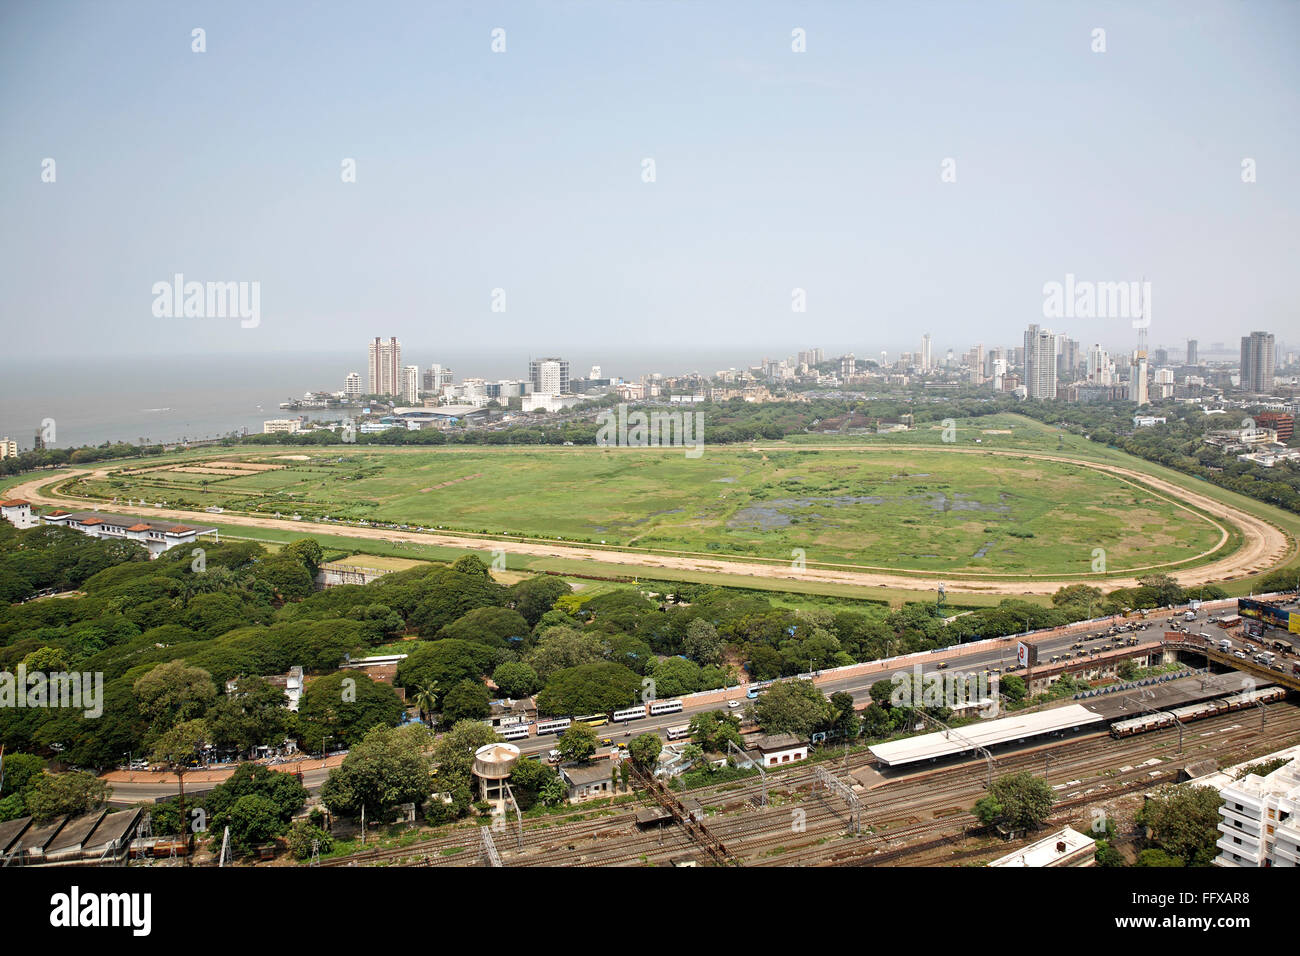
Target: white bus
[(631, 713), (557, 726), (516, 732), (665, 707), (678, 732)]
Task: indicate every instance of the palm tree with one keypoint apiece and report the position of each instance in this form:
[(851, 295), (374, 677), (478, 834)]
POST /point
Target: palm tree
[(426, 698)]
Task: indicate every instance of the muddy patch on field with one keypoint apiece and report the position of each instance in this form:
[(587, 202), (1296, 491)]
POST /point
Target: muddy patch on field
[(781, 512)]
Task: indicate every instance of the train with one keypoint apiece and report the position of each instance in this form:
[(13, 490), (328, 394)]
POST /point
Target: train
[(1190, 712), (558, 725)]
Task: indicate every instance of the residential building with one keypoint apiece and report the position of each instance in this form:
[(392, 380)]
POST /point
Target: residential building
[(1137, 378), (1192, 358), (277, 426), (1040, 363), (385, 367), (1260, 819), (8, 447), (352, 388), (1280, 422), (926, 358), (1257, 363), (410, 390), (1068, 358)]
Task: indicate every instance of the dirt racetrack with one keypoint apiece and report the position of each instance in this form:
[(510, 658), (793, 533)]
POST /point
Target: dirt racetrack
[(1264, 545)]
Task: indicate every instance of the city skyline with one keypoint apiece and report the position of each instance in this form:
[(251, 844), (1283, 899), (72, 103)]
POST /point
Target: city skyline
[(536, 222)]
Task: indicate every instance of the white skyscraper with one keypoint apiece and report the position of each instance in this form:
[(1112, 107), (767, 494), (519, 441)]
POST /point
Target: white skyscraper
[(411, 384), (352, 387), (550, 376), (925, 352)]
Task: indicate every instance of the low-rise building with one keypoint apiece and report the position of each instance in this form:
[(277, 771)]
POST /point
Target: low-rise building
[(156, 536), (8, 447), (18, 513), (1064, 848), (278, 426), (99, 838), (546, 402), (779, 749), (1274, 455), (506, 713), (291, 683), (587, 781)]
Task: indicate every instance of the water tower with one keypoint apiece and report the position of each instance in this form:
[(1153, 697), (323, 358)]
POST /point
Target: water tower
[(493, 765)]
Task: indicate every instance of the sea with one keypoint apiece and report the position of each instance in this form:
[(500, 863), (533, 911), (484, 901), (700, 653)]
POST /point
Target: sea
[(154, 399)]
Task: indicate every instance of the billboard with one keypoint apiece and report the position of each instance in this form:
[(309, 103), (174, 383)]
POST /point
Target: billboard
[(1270, 614), (1026, 654)]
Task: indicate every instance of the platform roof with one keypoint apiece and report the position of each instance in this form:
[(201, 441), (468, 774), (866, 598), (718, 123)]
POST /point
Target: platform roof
[(988, 733)]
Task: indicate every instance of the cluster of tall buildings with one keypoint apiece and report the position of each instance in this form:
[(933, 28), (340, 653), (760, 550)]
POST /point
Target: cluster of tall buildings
[(408, 384), (1039, 369)]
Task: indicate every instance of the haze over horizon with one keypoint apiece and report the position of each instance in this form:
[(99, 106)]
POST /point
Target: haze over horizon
[(523, 171)]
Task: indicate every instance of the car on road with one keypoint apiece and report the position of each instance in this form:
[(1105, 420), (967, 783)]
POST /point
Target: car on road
[(733, 703)]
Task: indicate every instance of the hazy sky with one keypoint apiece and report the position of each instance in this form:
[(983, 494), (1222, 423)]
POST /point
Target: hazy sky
[(522, 171)]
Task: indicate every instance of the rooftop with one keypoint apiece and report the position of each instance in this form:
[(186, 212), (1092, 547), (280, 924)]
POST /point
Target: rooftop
[(579, 774), (984, 734), (129, 522), (1048, 850)]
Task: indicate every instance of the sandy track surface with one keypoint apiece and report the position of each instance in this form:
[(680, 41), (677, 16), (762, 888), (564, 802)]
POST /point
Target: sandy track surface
[(1264, 545)]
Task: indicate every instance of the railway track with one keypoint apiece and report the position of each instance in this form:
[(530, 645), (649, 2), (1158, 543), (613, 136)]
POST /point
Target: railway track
[(902, 820)]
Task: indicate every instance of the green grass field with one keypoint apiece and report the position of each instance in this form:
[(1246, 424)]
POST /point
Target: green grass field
[(911, 509)]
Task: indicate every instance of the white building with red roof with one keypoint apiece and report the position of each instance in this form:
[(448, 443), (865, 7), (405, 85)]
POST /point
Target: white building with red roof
[(18, 513), (156, 536)]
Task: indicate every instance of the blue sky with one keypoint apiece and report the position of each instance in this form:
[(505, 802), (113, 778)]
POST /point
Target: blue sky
[(522, 171)]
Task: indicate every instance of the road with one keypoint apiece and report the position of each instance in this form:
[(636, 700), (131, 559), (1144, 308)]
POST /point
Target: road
[(145, 786)]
